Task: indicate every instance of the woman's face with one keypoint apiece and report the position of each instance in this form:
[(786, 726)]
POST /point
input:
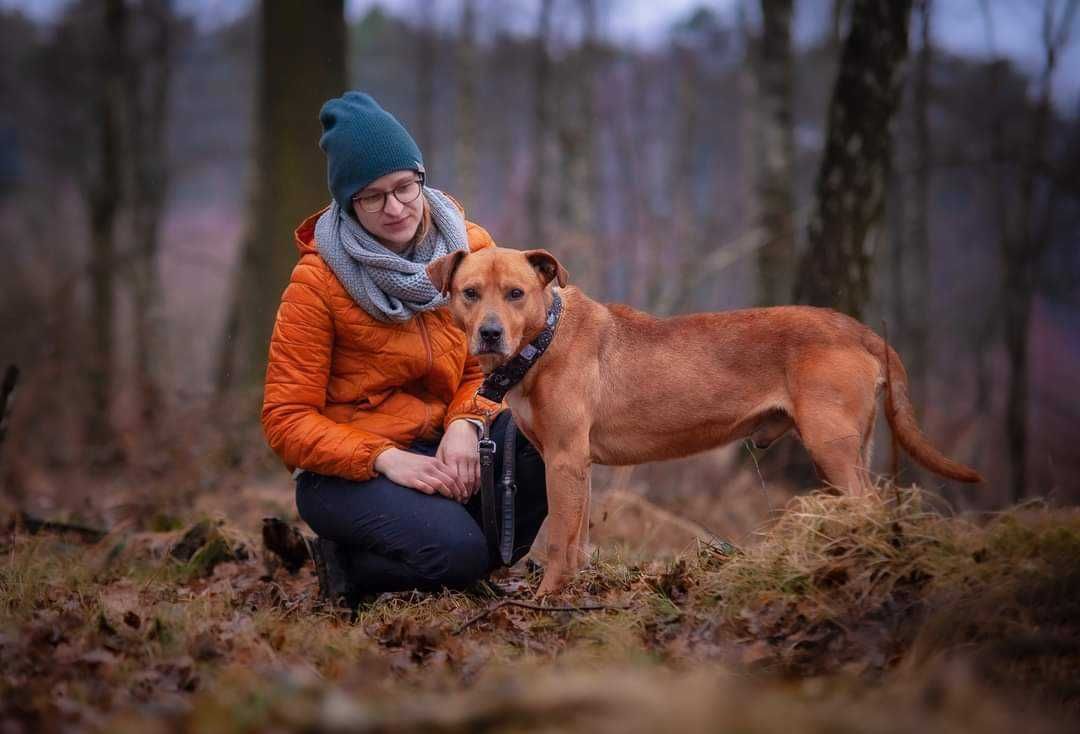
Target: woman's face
[(394, 224)]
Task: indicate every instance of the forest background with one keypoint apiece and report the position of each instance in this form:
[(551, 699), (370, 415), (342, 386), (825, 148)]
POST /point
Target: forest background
[(155, 157)]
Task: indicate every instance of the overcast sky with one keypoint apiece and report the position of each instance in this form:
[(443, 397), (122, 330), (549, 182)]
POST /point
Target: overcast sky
[(959, 25)]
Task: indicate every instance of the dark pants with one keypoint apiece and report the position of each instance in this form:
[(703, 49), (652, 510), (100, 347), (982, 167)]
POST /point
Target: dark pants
[(394, 538)]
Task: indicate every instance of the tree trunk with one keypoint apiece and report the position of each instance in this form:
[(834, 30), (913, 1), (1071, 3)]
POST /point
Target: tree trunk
[(148, 86), (776, 151), (466, 100), (427, 60), (1018, 295), (536, 215), (917, 294), (574, 123), (301, 65), (1024, 245), (669, 265), (850, 191), (104, 193)]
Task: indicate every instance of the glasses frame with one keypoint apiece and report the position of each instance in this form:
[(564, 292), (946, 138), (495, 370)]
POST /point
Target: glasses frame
[(357, 198)]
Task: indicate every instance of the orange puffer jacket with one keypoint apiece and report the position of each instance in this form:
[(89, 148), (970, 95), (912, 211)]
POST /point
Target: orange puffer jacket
[(342, 387)]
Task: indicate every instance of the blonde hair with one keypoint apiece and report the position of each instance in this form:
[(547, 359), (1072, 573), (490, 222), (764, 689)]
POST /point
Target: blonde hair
[(424, 227)]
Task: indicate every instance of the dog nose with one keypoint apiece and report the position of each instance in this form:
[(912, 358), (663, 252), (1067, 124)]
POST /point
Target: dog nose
[(490, 332)]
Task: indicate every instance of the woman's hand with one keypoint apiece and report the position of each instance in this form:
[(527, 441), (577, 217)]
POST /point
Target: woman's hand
[(426, 474), (459, 452)]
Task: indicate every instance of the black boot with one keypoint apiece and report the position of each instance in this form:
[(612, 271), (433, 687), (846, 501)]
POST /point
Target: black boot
[(334, 586)]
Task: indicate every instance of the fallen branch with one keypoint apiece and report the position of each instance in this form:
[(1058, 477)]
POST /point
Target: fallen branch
[(36, 525), (7, 398), (537, 607)]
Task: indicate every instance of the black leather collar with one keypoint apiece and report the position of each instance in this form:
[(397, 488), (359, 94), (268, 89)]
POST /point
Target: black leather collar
[(503, 378)]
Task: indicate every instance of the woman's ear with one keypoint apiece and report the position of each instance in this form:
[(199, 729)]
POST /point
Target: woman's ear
[(547, 266), (441, 272)]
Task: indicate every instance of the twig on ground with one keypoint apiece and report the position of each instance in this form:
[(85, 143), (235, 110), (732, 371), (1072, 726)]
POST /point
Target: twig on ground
[(36, 525), (537, 607)]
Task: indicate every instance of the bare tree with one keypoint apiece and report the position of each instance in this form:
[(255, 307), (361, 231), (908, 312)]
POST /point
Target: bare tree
[(776, 153), (427, 60), (103, 187), (850, 189), (541, 122), (147, 90), (301, 62), (466, 102), (1026, 236), (575, 125), (916, 300)]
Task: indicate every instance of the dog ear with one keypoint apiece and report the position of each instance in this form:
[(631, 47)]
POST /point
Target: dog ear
[(549, 268), (441, 272)]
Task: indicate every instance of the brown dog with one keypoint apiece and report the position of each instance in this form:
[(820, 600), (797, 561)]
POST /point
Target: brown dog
[(617, 386)]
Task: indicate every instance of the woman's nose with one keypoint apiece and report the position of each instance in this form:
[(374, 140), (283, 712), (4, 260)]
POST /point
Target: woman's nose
[(393, 207)]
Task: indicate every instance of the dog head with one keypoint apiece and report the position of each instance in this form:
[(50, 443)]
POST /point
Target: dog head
[(497, 297)]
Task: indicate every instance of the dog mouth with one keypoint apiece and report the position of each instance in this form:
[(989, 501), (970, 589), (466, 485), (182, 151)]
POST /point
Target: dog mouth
[(490, 350), (490, 354)]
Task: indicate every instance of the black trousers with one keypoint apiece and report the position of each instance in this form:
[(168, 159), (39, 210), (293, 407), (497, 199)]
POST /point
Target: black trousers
[(394, 538)]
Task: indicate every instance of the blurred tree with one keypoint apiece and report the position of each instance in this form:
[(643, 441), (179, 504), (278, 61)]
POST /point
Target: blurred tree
[(466, 104), (541, 122), (1027, 231), (775, 153), (301, 64), (914, 323), (672, 266), (575, 125), (907, 240), (839, 14), (426, 60), (574, 99), (850, 191), (103, 188), (147, 80)]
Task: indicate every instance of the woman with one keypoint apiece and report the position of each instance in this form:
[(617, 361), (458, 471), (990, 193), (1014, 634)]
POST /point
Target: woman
[(370, 390)]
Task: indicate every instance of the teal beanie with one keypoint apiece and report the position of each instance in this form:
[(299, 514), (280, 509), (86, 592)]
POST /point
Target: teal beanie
[(362, 142)]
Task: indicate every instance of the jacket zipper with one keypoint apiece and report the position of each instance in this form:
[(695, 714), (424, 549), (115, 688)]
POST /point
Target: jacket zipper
[(430, 363)]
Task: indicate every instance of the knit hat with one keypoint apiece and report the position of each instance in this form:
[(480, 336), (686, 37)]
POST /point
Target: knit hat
[(362, 142)]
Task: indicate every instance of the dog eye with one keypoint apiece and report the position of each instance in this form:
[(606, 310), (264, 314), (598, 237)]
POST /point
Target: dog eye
[(515, 294), (470, 294)]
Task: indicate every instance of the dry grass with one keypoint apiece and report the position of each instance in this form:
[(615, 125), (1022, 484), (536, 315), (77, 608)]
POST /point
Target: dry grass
[(848, 614)]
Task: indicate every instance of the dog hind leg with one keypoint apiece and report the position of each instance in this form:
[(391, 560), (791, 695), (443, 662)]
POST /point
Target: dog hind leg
[(835, 445)]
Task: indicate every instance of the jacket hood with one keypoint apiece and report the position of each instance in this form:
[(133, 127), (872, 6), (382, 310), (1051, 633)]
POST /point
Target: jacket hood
[(305, 233)]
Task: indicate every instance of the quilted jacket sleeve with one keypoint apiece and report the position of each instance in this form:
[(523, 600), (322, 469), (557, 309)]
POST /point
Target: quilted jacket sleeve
[(461, 405), (295, 389)]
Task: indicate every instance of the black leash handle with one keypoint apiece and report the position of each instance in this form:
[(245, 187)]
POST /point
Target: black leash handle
[(486, 447), (509, 487)]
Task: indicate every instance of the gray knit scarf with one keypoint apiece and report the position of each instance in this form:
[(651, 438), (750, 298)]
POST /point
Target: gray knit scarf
[(390, 286)]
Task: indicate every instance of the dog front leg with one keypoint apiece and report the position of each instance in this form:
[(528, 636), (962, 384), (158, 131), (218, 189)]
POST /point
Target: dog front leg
[(568, 502)]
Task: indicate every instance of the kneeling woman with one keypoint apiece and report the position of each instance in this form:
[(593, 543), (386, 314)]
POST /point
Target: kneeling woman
[(370, 388)]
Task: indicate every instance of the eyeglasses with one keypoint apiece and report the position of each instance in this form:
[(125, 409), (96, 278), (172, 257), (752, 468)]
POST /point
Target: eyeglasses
[(405, 193)]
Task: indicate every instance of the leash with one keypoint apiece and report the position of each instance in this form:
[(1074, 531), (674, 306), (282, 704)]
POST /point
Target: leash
[(509, 492), (486, 447), (498, 515)]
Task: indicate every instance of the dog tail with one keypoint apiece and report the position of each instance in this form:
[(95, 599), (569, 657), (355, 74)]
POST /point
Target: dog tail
[(901, 416)]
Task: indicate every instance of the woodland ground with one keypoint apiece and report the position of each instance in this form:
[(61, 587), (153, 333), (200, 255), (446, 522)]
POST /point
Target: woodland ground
[(878, 615)]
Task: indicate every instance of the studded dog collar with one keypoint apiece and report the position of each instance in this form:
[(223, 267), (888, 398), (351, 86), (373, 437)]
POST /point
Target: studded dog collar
[(502, 379)]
